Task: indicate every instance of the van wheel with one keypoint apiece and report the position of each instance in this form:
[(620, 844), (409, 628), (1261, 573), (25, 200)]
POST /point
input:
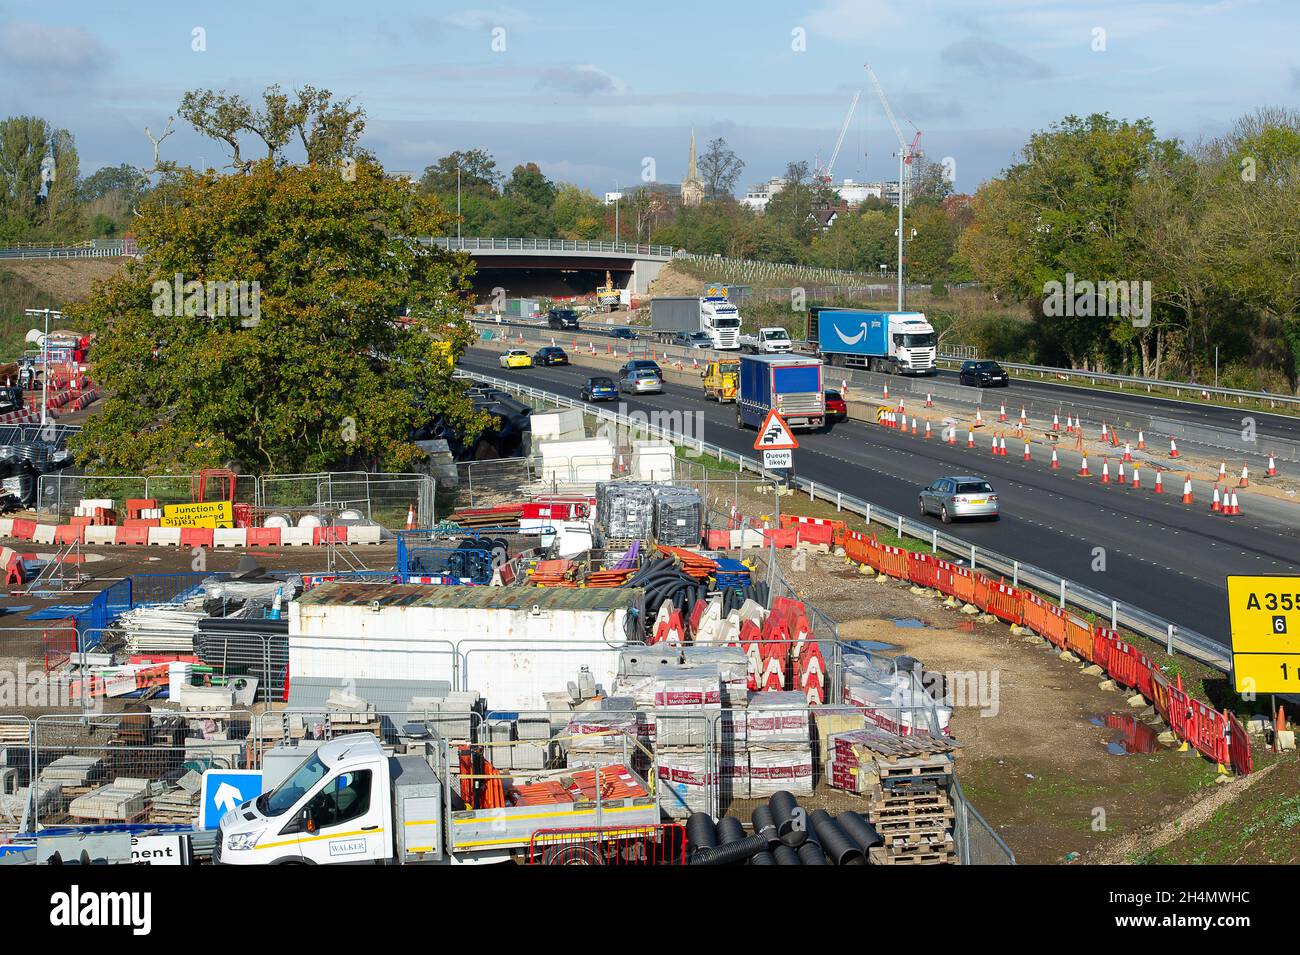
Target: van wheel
[(945, 516), (572, 855)]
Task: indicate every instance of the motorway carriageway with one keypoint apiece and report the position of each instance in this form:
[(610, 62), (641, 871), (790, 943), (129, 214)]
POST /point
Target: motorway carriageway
[(1166, 557), (1112, 406)]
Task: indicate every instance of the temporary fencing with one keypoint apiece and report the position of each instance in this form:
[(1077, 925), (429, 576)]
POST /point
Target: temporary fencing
[(1208, 730)]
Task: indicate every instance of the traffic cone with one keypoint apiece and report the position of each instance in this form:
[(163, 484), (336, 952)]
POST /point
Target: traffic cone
[(929, 402), (952, 434), (1128, 452), (1069, 425), (1236, 508), (927, 429), (1104, 433), (914, 427), (1002, 447), (1056, 421), (979, 419), (844, 388), (694, 362), (410, 518), (1215, 506), (575, 343), (995, 445), (970, 439), (521, 338), (1023, 419), (1083, 467), (1223, 472), (1121, 479), (1056, 465), (1245, 476), (885, 391), (609, 348), (552, 341), (1173, 448), (1028, 457), (1142, 442), (1002, 412), (1105, 470), (1160, 488), (1187, 491), (1137, 479), (1272, 468)]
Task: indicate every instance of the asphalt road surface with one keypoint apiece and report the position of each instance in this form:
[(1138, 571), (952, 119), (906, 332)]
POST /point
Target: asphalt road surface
[(1157, 553)]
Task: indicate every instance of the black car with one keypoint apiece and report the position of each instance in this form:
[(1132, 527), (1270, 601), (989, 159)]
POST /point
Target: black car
[(623, 333), (983, 374), (561, 318), (550, 355)]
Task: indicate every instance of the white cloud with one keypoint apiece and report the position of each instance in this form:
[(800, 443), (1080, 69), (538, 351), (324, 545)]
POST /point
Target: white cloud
[(50, 51)]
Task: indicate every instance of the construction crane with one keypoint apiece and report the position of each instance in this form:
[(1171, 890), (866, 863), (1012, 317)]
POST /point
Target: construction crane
[(826, 174), (906, 154)]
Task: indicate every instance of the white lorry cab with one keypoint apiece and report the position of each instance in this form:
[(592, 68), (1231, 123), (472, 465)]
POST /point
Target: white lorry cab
[(351, 802)]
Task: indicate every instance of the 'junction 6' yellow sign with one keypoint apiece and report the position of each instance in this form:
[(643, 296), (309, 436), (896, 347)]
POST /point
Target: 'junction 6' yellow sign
[(1264, 615)]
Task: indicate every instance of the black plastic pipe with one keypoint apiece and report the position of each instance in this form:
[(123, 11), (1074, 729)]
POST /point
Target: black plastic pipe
[(764, 824), (784, 808), (840, 849), (784, 855), (701, 833), (730, 830), (860, 831)]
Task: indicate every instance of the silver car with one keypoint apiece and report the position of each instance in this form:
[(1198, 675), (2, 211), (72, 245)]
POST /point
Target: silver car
[(962, 496), (640, 380)]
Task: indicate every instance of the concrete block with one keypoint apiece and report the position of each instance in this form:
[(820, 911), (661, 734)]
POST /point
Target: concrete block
[(98, 534), (364, 534), (296, 536), (164, 536), (1068, 657), (1110, 686), (1137, 701), (230, 537), (6, 527), (45, 533), (1093, 670)]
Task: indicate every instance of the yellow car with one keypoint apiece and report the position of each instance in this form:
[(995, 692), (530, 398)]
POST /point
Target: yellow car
[(516, 358)]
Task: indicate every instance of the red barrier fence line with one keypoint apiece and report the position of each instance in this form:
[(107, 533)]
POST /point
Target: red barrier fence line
[(1078, 637), (1005, 603), (1239, 758), (980, 594), (943, 577), (1209, 731), (963, 584)]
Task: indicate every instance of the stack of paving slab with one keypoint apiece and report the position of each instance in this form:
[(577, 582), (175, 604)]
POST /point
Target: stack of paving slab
[(454, 717), (122, 800), (161, 629), (177, 804), (687, 714), (605, 732), (518, 744), (779, 743)]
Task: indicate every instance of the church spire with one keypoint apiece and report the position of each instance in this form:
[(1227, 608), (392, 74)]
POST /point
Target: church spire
[(692, 172)]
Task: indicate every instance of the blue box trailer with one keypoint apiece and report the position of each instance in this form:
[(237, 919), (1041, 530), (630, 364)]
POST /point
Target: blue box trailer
[(890, 342), (793, 386)]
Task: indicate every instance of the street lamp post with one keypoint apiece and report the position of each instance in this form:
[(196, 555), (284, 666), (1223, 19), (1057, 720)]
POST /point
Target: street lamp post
[(459, 243), (45, 359)]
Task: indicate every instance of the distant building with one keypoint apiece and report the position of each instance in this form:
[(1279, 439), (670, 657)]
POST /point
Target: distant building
[(856, 193), (825, 217), (758, 197), (692, 185)]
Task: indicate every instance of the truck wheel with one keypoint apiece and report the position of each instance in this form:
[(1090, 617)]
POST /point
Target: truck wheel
[(740, 422), (572, 855)]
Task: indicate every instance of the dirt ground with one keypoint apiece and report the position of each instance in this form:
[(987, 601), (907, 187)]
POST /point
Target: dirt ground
[(68, 280)]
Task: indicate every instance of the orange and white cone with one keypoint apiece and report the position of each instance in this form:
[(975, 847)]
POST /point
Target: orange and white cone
[(1002, 447), (1215, 506), (1028, 456), (1056, 421), (1245, 476), (1105, 470), (1160, 488), (1120, 479), (1128, 452), (1056, 465), (1236, 508), (1002, 412), (1104, 433), (914, 426), (1173, 448), (410, 518), (1137, 479), (885, 391), (929, 402), (1142, 442), (1223, 471), (927, 429), (1187, 491), (1069, 425), (995, 445), (970, 439), (1023, 420), (1272, 467), (979, 419), (1083, 467), (952, 434)]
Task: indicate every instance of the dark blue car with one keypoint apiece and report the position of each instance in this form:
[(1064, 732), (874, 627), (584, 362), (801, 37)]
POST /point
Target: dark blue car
[(598, 389)]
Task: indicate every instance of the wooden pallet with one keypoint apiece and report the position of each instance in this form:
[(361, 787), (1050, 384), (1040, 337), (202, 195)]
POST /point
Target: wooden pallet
[(901, 767), (924, 824), (913, 840), (890, 747), (918, 800), (879, 855)]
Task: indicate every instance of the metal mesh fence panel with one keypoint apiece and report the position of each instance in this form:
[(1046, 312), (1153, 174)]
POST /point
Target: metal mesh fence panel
[(58, 494), (17, 765)]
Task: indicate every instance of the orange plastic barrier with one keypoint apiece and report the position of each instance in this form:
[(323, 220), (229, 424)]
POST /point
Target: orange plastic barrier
[(24, 529), (69, 534), (1238, 747), (1078, 637), (980, 597), (1005, 603), (196, 536), (963, 584), (943, 573), (263, 537), (131, 535), (893, 561), (1208, 731)]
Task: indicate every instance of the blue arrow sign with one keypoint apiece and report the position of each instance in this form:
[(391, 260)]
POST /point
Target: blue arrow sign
[(223, 790)]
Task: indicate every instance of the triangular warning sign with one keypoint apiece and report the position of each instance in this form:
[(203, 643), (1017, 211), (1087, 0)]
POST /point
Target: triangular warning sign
[(775, 435)]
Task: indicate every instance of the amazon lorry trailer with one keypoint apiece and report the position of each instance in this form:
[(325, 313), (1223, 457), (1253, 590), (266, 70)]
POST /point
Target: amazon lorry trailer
[(790, 386), (895, 343)]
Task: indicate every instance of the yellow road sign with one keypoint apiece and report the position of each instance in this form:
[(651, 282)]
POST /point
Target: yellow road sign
[(1264, 618), (207, 514)]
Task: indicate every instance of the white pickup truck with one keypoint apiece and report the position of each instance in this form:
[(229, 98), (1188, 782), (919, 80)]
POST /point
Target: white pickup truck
[(768, 341), (350, 802)]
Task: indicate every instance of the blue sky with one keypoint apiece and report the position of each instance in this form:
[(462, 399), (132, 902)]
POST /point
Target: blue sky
[(591, 90)]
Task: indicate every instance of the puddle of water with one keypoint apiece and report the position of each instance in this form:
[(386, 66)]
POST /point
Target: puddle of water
[(1130, 735), (873, 645), (910, 623)]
